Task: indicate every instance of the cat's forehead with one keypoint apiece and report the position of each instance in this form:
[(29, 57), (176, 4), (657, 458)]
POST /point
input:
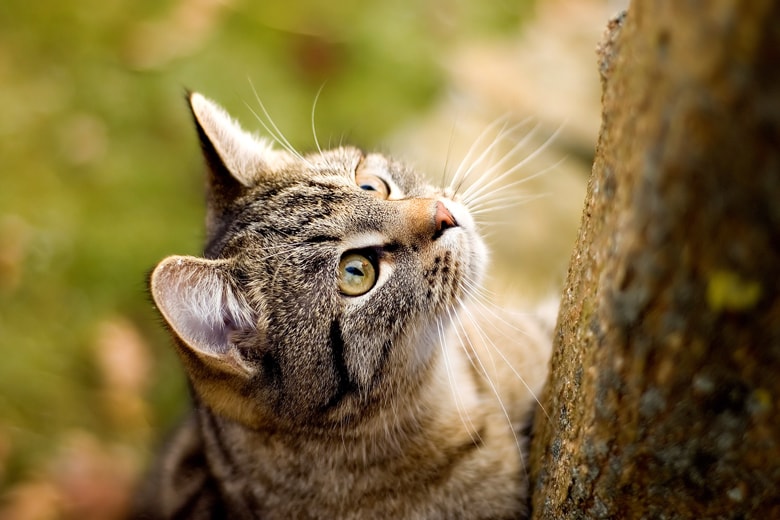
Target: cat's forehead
[(343, 160), (349, 162)]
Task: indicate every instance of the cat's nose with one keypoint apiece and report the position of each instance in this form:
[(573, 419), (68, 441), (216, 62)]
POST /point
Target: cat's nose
[(425, 219), (442, 219)]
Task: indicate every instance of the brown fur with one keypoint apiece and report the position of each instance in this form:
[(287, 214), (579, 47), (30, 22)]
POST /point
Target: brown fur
[(404, 402)]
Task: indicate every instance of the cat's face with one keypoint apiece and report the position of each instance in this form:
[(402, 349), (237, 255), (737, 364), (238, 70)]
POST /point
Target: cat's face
[(327, 280)]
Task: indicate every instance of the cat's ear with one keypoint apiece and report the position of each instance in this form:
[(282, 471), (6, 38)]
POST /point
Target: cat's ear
[(236, 160), (197, 300), (234, 155)]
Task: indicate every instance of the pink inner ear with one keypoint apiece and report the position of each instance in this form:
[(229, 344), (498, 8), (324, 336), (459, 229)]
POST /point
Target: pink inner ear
[(199, 304), (198, 327)]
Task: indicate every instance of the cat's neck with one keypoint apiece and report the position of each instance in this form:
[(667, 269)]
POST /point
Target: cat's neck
[(447, 399), (446, 428)]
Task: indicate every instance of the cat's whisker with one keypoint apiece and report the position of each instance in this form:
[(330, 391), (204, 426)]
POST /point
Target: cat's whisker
[(481, 368), (460, 174), (508, 156), (281, 249), (459, 405), (513, 428), (448, 155), (502, 203), (490, 310), (461, 408), (313, 126), (488, 237), (472, 195), (487, 151), (475, 191), (465, 310), (499, 197), (278, 253), (278, 138), (273, 130), (471, 291), (476, 293), (483, 309), (466, 158), (485, 298), (487, 177), (476, 290), (520, 378), (478, 198)]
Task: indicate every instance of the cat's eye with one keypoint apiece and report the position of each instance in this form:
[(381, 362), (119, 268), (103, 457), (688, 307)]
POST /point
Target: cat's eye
[(373, 184), (357, 274)]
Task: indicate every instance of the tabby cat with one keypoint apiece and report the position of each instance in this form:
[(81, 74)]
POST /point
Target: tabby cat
[(339, 366)]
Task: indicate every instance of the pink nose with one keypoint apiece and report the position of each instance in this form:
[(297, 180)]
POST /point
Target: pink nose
[(443, 218)]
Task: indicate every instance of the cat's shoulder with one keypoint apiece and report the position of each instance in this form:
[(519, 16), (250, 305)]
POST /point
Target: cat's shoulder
[(179, 485)]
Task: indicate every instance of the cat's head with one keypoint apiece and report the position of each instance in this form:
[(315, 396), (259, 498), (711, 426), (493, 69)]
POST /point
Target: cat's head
[(326, 281)]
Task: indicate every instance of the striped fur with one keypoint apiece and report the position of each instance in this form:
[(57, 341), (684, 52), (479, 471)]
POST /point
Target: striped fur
[(310, 403)]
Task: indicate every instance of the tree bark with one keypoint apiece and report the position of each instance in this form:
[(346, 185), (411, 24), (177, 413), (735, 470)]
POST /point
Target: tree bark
[(664, 392)]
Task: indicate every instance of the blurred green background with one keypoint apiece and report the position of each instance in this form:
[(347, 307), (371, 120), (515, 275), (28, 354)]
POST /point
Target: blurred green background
[(102, 177)]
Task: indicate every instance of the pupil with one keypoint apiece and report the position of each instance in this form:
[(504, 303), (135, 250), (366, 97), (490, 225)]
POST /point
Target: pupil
[(367, 187), (355, 271)]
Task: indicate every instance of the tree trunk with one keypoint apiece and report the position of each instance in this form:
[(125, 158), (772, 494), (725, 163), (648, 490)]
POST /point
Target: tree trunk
[(664, 393)]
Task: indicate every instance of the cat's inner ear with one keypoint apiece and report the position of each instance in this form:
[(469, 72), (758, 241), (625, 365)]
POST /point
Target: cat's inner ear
[(231, 153), (197, 300)]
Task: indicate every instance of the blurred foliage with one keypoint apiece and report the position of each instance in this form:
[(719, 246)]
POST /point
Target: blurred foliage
[(102, 176)]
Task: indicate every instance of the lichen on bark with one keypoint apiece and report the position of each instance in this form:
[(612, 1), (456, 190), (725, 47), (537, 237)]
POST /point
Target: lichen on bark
[(663, 397)]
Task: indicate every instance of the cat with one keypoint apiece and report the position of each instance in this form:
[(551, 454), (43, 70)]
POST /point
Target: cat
[(339, 362)]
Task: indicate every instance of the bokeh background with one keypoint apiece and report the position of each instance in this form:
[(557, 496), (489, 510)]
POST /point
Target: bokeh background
[(101, 177)]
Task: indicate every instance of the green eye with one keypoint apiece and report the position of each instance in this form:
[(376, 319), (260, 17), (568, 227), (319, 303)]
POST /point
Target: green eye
[(357, 274)]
